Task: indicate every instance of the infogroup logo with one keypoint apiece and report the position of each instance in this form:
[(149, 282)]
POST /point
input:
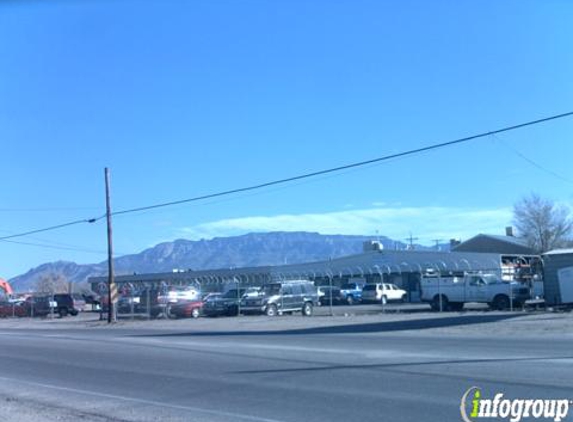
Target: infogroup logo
[(475, 407)]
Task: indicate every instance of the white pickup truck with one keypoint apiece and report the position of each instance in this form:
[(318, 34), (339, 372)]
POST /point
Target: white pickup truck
[(450, 293)]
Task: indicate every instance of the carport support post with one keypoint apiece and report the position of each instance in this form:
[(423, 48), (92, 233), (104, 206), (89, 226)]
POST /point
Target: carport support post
[(148, 305), (510, 296)]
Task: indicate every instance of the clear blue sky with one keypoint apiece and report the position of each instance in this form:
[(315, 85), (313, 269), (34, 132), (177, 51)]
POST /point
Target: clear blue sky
[(184, 98)]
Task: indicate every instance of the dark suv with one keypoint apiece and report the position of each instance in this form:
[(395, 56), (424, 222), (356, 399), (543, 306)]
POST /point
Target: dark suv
[(62, 304), (286, 296), (68, 304), (226, 304)]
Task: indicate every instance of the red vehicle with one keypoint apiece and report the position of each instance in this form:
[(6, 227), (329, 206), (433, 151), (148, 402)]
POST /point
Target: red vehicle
[(8, 309), (186, 309)]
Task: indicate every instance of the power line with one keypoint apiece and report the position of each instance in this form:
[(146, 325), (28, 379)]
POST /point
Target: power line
[(347, 166), (51, 244), (303, 176), (533, 163), (63, 248), (59, 226)]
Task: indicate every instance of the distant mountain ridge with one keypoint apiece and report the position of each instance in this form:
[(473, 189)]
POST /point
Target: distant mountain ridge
[(249, 250)]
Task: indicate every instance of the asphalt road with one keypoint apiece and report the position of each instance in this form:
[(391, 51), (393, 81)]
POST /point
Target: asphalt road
[(363, 372)]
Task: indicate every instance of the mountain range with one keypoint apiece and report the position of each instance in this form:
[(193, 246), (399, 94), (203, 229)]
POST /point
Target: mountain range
[(254, 249)]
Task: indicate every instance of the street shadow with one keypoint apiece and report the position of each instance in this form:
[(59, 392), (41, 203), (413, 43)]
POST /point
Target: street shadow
[(375, 327)]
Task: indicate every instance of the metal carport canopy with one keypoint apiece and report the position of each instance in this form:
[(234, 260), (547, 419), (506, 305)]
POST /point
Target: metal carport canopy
[(388, 262)]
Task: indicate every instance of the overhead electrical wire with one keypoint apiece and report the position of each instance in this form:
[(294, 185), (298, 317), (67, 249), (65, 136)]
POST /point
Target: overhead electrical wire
[(300, 177), (347, 166), (45, 229), (532, 162), (63, 248)]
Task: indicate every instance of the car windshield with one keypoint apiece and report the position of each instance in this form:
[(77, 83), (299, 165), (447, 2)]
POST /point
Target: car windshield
[(348, 286)]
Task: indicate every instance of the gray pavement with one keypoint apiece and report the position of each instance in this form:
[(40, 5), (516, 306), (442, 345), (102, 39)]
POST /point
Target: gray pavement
[(368, 368)]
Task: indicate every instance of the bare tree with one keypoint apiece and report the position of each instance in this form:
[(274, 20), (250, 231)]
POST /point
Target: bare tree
[(542, 223), (52, 283)]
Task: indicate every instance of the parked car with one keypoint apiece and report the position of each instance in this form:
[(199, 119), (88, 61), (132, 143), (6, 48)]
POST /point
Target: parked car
[(211, 295), (185, 309), (93, 302), (69, 304), (10, 309), (319, 294), (383, 293), (226, 304), (287, 296), (327, 292), (39, 306), (352, 292), (176, 293), (128, 304)]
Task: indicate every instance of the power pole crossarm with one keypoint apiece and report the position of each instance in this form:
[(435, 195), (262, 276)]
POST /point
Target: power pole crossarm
[(411, 241)]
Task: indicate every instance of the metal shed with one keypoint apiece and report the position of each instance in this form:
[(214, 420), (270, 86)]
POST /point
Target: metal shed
[(558, 276)]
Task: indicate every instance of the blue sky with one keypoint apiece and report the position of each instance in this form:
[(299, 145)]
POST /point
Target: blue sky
[(185, 98)]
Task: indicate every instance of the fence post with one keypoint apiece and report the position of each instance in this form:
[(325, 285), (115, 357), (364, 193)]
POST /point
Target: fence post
[(440, 291), (148, 304), (239, 296), (330, 297)]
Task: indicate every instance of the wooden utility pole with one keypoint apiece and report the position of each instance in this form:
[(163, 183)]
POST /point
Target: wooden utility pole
[(111, 287)]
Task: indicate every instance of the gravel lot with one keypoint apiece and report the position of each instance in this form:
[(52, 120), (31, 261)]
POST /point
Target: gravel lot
[(471, 323)]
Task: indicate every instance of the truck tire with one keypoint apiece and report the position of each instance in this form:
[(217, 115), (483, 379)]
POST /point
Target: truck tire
[(500, 303), (307, 309), (169, 314), (271, 310), (436, 303)]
